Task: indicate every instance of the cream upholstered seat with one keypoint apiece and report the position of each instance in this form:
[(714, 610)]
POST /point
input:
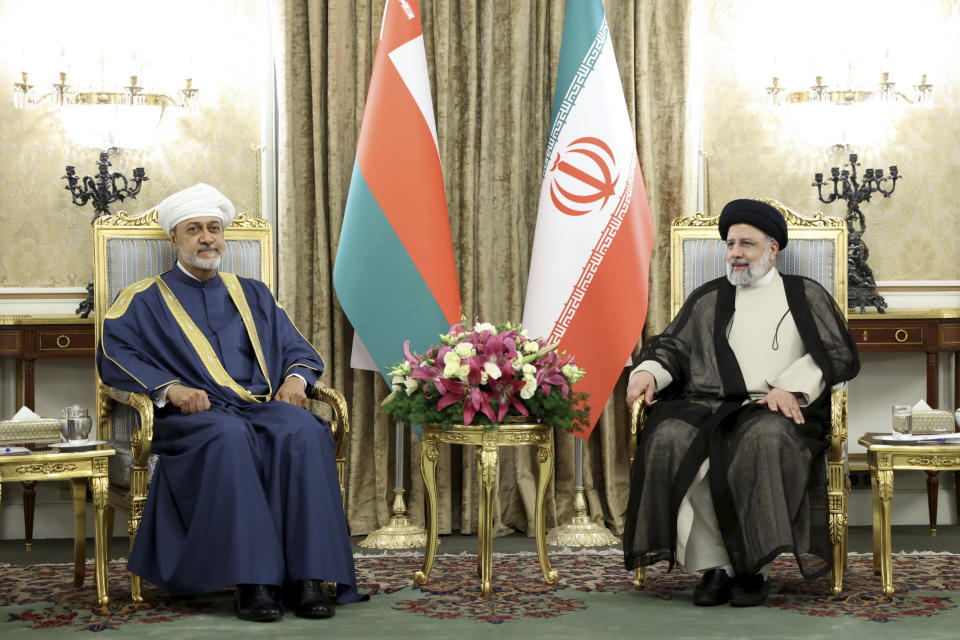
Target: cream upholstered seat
[(128, 249), (817, 250)]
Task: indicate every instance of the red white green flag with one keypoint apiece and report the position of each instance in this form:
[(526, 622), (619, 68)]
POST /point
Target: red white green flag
[(589, 271)]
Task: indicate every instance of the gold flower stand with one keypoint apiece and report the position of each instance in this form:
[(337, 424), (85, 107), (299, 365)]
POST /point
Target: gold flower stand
[(488, 441)]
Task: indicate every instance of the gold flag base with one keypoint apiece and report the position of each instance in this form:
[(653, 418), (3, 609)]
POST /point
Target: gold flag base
[(400, 533), (581, 531)]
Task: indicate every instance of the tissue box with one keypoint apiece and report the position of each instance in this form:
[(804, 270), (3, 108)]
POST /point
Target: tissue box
[(37, 430), (932, 421)]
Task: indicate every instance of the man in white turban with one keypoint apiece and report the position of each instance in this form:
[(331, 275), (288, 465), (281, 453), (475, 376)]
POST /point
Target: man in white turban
[(245, 491)]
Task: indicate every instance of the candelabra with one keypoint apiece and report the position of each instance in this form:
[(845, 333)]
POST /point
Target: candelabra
[(103, 188), (861, 286)]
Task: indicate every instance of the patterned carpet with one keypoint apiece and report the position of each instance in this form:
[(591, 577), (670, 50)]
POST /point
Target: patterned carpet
[(41, 596)]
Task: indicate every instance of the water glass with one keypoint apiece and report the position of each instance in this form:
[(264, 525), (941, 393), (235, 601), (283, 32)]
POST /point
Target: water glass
[(902, 420)]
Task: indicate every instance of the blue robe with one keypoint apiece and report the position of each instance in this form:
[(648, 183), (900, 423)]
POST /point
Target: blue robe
[(246, 492)]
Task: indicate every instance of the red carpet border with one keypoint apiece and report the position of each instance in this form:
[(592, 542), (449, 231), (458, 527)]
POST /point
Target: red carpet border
[(41, 596)]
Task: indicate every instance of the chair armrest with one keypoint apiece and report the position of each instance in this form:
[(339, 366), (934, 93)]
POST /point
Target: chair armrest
[(638, 420), (341, 420), (838, 423), (142, 438)]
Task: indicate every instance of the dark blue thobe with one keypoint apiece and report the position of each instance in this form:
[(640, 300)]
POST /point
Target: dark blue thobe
[(246, 492)]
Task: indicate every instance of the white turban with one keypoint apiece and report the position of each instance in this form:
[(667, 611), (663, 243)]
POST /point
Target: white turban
[(200, 200)]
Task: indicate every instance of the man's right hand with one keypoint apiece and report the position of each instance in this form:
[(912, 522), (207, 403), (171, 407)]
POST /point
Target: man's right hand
[(188, 399), (641, 382)]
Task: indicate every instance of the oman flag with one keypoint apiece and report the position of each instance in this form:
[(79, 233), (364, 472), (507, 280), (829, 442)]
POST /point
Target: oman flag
[(395, 274), (589, 270)]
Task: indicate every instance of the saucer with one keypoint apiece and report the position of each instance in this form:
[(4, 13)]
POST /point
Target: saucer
[(79, 445), (14, 451), (923, 438)]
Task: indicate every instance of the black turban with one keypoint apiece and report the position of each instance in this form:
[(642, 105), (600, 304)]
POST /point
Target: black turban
[(757, 214)]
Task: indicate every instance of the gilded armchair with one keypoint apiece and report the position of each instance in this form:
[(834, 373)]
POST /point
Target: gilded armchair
[(817, 250), (126, 250)]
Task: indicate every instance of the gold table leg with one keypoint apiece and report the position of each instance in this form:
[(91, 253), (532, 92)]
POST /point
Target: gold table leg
[(487, 458), (78, 488), (428, 470), (885, 491), (545, 460), (98, 486), (875, 502)]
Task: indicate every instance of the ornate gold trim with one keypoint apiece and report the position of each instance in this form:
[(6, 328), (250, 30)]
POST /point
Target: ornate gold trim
[(125, 297), (934, 461), (46, 468), (232, 283), (150, 218), (200, 343), (793, 218)]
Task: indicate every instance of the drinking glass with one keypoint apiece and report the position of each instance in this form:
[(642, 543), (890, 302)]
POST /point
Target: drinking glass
[(902, 420)]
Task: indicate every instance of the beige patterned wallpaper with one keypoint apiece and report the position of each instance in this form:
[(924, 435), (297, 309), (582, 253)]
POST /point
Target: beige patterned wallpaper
[(755, 149), (48, 240)]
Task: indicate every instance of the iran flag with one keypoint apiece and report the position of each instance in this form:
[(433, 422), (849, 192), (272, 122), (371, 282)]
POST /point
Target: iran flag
[(589, 271)]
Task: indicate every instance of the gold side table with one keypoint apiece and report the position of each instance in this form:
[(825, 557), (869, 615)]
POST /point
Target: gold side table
[(885, 457), (79, 468), (488, 442)]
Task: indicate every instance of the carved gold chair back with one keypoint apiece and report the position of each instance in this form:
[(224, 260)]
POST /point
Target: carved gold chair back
[(128, 249), (817, 250)]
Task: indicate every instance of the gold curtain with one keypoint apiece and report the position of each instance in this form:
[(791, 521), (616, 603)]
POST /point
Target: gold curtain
[(492, 68)]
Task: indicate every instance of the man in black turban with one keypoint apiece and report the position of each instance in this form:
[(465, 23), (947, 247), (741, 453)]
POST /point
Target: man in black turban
[(726, 475)]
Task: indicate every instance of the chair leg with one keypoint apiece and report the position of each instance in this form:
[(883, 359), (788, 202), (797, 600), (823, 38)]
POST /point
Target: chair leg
[(956, 480), (136, 585), (933, 490), (108, 516), (640, 578)]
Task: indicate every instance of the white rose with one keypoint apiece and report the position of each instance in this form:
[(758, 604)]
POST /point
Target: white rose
[(485, 326), (530, 347), (492, 370), (411, 385), (466, 350), (528, 389), (397, 383), (451, 358), (517, 363), (529, 371), (569, 371), (464, 372)]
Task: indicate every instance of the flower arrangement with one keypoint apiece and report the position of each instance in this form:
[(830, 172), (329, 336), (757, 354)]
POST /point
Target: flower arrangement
[(483, 375)]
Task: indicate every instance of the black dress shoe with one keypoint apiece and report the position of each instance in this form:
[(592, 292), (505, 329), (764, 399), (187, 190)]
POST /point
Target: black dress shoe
[(749, 590), (308, 600), (255, 602), (714, 589)]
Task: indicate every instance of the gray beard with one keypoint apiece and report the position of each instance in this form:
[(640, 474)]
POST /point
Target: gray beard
[(199, 263), (755, 270)]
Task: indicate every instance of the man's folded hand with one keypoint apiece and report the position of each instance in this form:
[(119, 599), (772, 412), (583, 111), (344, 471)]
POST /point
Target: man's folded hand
[(188, 399), (293, 391)]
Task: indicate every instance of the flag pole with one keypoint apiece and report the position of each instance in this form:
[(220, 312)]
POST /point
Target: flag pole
[(400, 533), (581, 531)]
